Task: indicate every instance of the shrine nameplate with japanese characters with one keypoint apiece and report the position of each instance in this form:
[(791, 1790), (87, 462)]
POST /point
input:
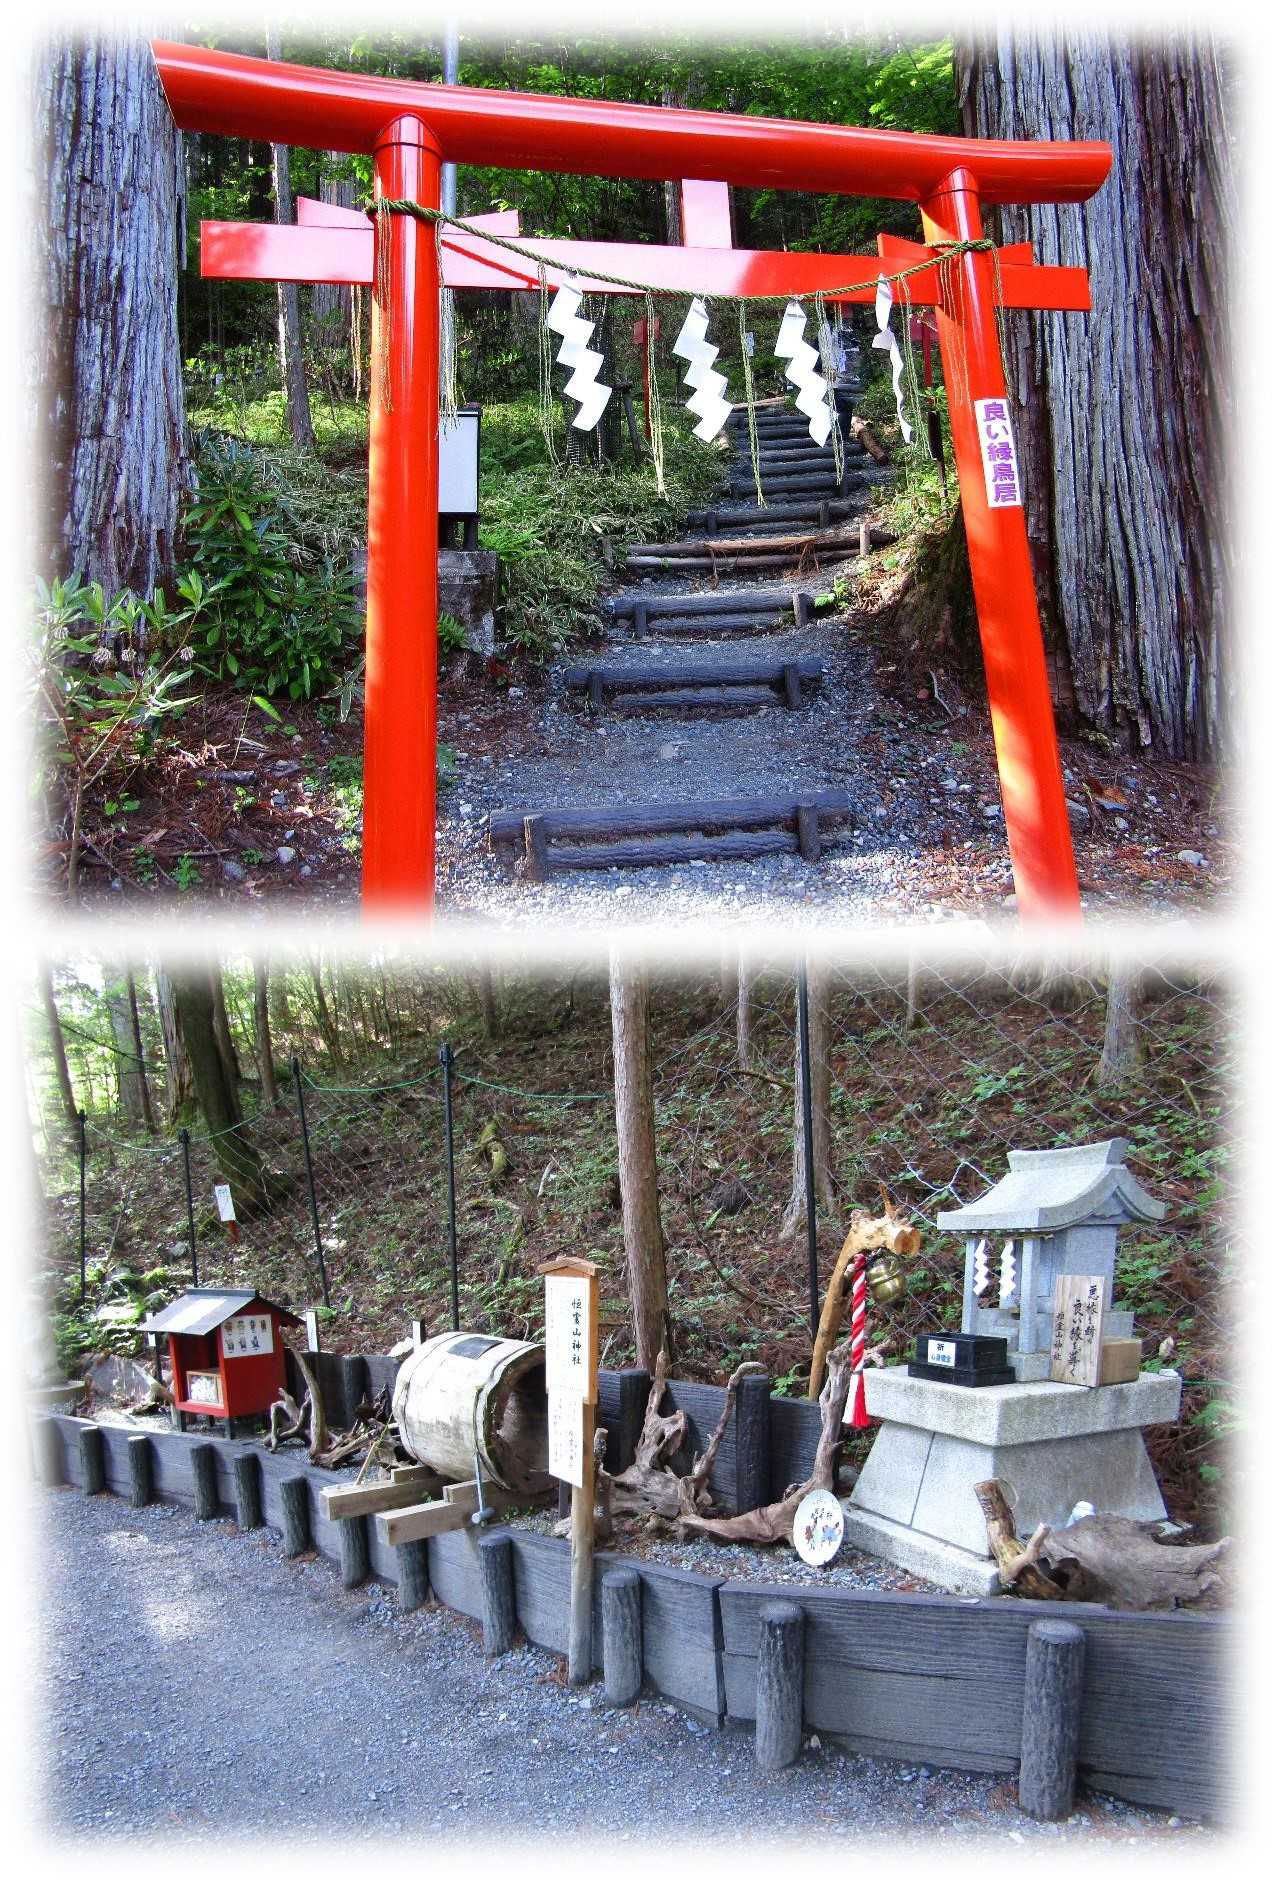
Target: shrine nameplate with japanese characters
[(1075, 1348), (571, 1336)]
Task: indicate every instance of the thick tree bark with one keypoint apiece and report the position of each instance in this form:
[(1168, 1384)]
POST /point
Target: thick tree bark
[(291, 359), (57, 1046), (105, 360), (179, 1084), (135, 1016), (635, 1135), (794, 1220), (231, 1145), (744, 1015), (1123, 413), (221, 1031), (1122, 1036), (130, 1085), (261, 1031), (331, 305)]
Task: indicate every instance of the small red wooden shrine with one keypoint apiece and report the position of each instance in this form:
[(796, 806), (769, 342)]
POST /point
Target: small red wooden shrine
[(225, 1351)]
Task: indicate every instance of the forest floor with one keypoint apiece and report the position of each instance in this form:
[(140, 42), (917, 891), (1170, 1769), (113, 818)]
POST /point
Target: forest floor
[(364, 1720), (242, 811)]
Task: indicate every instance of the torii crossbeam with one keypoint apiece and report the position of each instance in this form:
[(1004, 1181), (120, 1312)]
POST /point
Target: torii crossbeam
[(409, 129)]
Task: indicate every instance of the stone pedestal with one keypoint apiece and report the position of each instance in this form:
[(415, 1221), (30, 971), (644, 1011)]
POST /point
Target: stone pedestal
[(1049, 1445)]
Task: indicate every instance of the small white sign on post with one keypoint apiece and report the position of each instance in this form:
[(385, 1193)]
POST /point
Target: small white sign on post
[(571, 1336), (225, 1202), (566, 1438), (1000, 459)]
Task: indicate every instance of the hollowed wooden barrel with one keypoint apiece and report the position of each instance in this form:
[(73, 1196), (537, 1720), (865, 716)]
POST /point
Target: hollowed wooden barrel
[(466, 1394)]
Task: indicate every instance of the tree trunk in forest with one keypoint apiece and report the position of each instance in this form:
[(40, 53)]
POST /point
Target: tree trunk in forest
[(488, 1001), (130, 1082), (672, 99), (331, 305), (135, 1015), (104, 356), (327, 1030), (744, 1015), (1123, 413), (261, 1032), (236, 1156), (639, 1182), (179, 1084), (221, 1031), (1122, 1036), (794, 1220), (57, 1046), (291, 359)]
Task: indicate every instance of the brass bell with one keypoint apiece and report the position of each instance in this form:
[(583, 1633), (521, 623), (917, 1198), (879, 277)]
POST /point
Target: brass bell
[(886, 1280)]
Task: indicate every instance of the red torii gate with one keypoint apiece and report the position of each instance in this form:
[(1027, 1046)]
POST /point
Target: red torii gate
[(409, 128)]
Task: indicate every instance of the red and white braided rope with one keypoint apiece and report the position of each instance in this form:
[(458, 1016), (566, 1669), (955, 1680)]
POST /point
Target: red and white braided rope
[(859, 1336)]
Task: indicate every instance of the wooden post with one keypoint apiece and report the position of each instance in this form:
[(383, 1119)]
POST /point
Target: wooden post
[(536, 849), (780, 1658), (496, 1579), (354, 1379), (622, 1635), (48, 1454), (247, 1470), (352, 1534), (418, 1333), (312, 1330), (92, 1460), (571, 1377), (203, 1468), (752, 1442), (580, 1650), (808, 832), (141, 1471), (413, 1575), (1053, 1684), (294, 1495)]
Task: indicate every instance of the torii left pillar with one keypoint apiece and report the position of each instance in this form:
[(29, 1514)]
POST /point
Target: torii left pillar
[(401, 680)]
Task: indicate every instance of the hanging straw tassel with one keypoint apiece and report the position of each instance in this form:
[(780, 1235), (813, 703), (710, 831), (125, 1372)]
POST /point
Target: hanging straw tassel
[(381, 297), (859, 1338), (750, 407), (828, 360), (657, 429)]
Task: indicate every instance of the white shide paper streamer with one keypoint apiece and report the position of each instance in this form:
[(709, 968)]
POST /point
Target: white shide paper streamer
[(887, 341), (584, 385), (708, 388), (803, 371)]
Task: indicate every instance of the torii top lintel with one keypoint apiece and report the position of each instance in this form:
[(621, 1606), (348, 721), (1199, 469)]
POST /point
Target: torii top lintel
[(237, 96)]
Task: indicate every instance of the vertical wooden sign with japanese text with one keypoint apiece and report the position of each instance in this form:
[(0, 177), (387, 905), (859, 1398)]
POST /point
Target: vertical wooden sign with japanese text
[(571, 1380), (1075, 1348)]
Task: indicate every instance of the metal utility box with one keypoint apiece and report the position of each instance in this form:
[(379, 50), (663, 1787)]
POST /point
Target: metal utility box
[(226, 1353)]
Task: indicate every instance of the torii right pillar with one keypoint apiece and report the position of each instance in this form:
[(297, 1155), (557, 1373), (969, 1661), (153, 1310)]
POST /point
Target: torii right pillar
[(1036, 823)]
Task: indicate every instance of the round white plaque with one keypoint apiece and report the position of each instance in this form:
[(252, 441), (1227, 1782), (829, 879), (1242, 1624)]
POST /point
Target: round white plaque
[(818, 1528)]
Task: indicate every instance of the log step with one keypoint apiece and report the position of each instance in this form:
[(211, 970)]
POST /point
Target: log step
[(622, 820), (746, 515), (720, 623), (688, 699), (714, 602), (735, 684)]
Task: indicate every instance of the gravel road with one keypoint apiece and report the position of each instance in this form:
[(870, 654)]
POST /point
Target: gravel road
[(198, 1682)]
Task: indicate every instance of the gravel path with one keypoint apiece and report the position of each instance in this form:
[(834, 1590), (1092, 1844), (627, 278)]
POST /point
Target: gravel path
[(198, 1682)]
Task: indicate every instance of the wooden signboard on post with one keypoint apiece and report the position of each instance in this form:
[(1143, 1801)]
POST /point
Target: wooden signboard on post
[(571, 1379), (1075, 1353)]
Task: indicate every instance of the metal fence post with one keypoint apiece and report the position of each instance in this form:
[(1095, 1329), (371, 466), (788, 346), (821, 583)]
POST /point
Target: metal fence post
[(445, 1059), (808, 1138), (83, 1227), (184, 1136), (309, 1177)]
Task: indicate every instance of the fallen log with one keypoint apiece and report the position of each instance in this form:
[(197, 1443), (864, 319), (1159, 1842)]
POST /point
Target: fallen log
[(862, 431), (1115, 1560)]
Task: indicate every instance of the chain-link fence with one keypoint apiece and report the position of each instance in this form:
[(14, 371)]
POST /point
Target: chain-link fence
[(932, 1077)]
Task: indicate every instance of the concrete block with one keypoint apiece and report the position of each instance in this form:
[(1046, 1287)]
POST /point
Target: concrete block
[(1020, 1414), (942, 1563), (890, 1480)]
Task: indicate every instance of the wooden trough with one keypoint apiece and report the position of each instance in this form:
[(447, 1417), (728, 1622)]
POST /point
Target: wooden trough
[(734, 686), (639, 836)]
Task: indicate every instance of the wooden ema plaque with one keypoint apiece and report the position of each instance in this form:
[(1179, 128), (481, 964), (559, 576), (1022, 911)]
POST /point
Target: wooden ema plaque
[(1075, 1352)]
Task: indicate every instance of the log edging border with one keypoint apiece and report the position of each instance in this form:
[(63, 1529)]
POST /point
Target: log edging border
[(942, 1680)]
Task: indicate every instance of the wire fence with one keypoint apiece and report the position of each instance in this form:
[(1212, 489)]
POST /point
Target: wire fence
[(933, 1077)]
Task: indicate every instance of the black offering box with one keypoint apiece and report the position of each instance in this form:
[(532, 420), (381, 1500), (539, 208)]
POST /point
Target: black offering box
[(961, 1360)]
